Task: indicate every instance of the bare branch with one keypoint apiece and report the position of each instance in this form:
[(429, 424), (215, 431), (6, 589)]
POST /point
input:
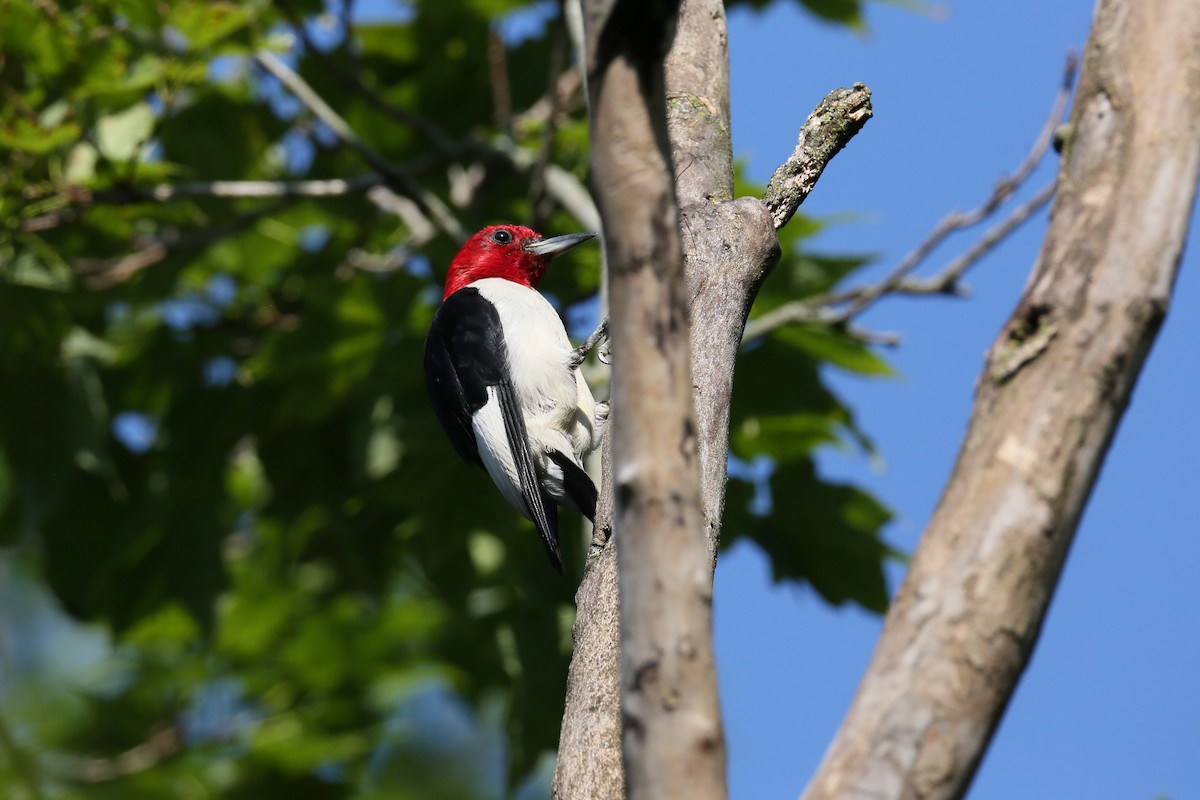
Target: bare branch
[(537, 175), (350, 79), (52, 219), (77, 199), (946, 282), (392, 261), (795, 312), (832, 124), (105, 273), (564, 187), (428, 202), (839, 307), (564, 97), (959, 220), (158, 748), (497, 56), (335, 187)]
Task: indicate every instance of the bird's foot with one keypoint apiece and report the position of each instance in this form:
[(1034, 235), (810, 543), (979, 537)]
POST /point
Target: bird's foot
[(600, 418), (580, 353)]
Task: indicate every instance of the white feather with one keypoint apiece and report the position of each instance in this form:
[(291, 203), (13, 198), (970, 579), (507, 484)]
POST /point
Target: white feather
[(559, 411)]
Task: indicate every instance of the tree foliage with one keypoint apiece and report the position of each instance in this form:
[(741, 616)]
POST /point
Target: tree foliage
[(238, 557)]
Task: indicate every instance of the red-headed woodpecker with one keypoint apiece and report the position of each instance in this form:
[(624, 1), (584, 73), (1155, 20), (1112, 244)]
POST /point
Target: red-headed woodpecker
[(504, 379)]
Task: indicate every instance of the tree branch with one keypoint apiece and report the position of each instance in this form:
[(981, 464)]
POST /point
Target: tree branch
[(159, 747), (351, 80), (105, 273), (1057, 380), (428, 202), (839, 307), (335, 187), (831, 125), (555, 181), (945, 282), (959, 220)]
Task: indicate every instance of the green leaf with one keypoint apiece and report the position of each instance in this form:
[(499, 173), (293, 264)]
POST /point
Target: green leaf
[(785, 438), (24, 268), (831, 346), (846, 12), (119, 136), (29, 137), (81, 163), (203, 23), (825, 534), (809, 274)]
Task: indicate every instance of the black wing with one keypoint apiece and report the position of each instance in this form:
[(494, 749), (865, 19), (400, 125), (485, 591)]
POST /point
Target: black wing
[(465, 354), (462, 350)]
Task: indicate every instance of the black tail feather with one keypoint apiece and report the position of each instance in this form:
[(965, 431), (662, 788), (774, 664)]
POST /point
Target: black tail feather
[(577, 483)]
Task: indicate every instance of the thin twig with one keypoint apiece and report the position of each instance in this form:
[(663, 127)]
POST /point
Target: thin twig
[(838, 308), (537, 175), (428, 202), (959, 220), (159, 747), (946, 281), (566, 96), (564, 187), (335, 187), (567, 190), (52, 219), (105, 273), (793, 313), (392, 261), (350, 79), (79, 199), (498, 79)]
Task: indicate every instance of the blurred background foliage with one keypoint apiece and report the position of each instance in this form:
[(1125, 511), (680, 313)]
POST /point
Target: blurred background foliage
[(237, 557)]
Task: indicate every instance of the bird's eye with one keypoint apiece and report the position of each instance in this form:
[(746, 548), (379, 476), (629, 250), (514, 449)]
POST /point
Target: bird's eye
[(502, 236)]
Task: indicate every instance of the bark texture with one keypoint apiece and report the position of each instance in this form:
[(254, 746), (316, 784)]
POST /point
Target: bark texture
[(672, 737), (1056, 382)]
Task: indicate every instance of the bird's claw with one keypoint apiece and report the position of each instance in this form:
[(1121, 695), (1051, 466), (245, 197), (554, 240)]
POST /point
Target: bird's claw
[(579, 354)]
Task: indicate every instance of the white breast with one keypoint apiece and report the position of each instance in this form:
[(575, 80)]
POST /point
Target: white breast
[(558, 405)]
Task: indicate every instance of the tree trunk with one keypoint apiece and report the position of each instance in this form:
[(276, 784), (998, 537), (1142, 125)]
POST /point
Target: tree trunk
[(672, 738), (729, 247), (1055, 384)]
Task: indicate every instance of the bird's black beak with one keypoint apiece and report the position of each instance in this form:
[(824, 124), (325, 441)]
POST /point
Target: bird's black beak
[(557, 244)]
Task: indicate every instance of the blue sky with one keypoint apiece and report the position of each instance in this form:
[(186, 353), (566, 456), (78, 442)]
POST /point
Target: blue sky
[(1109, 706)]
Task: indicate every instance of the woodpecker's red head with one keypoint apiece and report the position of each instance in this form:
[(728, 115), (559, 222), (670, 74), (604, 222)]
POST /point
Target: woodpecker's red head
[(507, 251)]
